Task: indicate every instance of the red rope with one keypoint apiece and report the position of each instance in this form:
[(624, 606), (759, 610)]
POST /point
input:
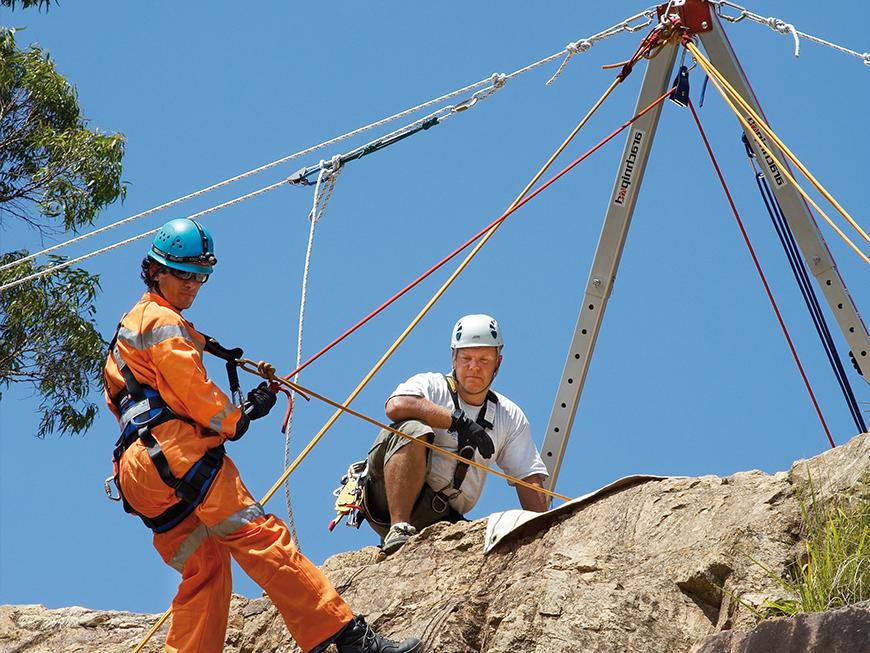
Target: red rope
[(479, 234), (761, 273)]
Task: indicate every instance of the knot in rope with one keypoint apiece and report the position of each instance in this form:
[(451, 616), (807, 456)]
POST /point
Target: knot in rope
[(496, 83), (779, 25), (574, 47), (577, 47), (266, 370), (866, 58)]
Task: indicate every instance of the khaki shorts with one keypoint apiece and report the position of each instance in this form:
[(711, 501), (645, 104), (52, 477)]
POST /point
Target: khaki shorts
[(430, 506)]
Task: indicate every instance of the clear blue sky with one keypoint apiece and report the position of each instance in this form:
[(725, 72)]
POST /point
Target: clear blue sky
[(691, 375)]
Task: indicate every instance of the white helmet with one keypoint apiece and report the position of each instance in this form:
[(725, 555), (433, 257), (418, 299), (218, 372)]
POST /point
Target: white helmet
[(476, 331)]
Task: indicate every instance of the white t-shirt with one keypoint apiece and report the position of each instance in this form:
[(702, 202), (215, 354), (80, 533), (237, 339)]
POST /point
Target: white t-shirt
[(515, 452)]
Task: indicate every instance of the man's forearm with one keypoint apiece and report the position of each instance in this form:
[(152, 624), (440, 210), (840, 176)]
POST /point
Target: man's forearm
[(531, 499), (403, 408)]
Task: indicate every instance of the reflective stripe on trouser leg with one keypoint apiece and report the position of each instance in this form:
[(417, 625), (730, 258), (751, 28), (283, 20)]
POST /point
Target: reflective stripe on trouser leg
[(198, 535), (310, 606), (200, 609)]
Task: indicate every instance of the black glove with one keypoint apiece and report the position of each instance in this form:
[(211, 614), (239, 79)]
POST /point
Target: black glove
[(471, 434), (260, 401)]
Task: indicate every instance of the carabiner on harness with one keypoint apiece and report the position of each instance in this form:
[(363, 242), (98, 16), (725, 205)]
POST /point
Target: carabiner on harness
[(107, 486)]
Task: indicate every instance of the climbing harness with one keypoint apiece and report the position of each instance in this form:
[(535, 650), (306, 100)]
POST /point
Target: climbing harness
[(143, 409), (485, 418), (787, 240)]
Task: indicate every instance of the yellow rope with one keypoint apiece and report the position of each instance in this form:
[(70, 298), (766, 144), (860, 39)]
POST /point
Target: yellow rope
[(153, 630), (266, 371), (719, 82)]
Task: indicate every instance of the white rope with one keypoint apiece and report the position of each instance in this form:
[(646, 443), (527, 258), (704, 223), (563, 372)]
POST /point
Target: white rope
[(491, 82), (73, 261), (447, 112), (783, 27), (322, 192), (583, 45)]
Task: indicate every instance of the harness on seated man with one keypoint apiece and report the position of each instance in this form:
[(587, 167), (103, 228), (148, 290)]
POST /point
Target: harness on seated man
[(142, 409), (485, 417), (350, 495)]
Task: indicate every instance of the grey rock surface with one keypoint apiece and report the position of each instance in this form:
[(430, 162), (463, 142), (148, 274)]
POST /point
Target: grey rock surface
[(846, 630), (649, 568)]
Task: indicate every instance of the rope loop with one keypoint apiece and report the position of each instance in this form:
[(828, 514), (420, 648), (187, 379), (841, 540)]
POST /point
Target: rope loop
[(574, 47), (779, 25), (628, 27)]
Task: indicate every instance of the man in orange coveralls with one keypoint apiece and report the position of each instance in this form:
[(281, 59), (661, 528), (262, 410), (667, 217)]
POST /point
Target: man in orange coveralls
[(171, 469)]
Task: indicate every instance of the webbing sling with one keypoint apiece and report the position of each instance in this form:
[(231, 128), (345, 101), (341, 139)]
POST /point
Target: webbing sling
[(141, 410), (468, 453)]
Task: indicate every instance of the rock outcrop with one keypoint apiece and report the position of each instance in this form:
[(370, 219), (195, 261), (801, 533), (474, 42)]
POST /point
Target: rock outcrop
[(846, 630), (652, 567)]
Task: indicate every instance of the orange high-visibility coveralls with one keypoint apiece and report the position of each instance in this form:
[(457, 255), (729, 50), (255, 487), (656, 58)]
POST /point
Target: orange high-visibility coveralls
[(164, 351)]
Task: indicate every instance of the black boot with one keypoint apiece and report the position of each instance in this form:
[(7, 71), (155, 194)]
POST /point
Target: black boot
[(358, 637)]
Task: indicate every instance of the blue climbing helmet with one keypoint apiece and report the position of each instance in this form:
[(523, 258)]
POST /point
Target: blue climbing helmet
[(184, 244)]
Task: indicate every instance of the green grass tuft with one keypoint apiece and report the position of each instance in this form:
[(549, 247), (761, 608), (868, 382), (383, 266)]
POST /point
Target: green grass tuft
[(834, 568)]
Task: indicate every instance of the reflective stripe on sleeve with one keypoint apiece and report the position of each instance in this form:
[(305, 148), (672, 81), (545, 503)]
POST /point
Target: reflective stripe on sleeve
[(142, 341), (218, 420), (231, 524)]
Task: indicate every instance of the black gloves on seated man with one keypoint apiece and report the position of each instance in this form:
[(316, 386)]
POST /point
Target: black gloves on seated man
[(471, 434), (260, 401)]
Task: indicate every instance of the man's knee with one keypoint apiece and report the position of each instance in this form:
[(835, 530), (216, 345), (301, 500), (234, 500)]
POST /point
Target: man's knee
[(389, 444)]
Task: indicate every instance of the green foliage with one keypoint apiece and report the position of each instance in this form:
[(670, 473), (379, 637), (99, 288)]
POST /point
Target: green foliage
[(55, 175), (51, 164), (48, 339), (27, 3), (834, 570)]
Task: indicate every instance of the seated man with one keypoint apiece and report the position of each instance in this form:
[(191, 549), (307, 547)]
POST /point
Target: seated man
[(410, 487)]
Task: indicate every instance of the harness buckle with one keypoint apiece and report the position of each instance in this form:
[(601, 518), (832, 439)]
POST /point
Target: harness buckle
[(440, 502), (108, 488)]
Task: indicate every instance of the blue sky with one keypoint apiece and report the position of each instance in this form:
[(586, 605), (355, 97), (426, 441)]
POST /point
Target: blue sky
[(691, 374)]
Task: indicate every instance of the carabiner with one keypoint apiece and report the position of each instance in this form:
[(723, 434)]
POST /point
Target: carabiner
[(108, 488)]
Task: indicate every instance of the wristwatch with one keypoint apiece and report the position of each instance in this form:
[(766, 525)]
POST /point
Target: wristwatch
[(455, 417)]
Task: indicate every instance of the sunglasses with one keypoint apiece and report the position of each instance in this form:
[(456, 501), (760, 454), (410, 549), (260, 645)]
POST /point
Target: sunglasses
[(199, 277)]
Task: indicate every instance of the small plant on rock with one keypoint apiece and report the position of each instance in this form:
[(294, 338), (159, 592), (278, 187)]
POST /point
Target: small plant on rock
[(834, 568)]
